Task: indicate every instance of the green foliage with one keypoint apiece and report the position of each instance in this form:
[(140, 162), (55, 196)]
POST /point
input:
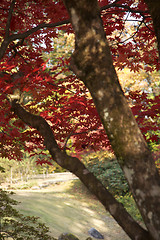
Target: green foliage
[(5, 167), (113, 178), (130, 205), (14, 225), (2, 170), (67, 236), (107, 170), (12, 171), (2, 174), (26, 185), (63, 47)]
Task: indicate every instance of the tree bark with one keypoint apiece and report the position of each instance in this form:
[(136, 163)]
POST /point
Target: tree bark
[(92, 63), (74, 165), (154, 8)]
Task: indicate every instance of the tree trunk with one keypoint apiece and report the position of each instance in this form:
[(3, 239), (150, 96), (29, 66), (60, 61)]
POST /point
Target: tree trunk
[(154, 8), (92, 62), (74, 165)]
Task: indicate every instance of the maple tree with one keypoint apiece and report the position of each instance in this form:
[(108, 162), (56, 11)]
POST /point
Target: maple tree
[(59, 106)]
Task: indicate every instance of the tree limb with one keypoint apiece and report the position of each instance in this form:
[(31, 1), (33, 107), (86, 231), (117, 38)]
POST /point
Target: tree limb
[(92, 61), (75, 166), (23, 35), (8, 39), (9, 19)]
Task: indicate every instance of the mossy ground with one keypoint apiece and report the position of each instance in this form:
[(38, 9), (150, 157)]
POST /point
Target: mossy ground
[(69, 207)]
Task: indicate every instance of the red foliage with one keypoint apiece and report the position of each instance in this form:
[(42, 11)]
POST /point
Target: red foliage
[(147, 112), (66, 104), (43, 161)]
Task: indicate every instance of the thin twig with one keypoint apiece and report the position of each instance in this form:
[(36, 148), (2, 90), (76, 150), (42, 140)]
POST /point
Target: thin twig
[(130, 36), (9, 39)]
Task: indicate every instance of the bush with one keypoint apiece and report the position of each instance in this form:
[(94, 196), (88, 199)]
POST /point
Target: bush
[(27, 185), (108, 171), (14, 225), (106, 168), (131, 207)]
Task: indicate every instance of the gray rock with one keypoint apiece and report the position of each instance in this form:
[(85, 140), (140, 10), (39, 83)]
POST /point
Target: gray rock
[(43, 185), (67, 236), (94, 233), (35, 188)]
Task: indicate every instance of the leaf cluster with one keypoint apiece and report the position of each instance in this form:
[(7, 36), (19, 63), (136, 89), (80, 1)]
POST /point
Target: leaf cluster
[(14, 225), (146, 109), (108, 171), (106, 168), (36, 61)]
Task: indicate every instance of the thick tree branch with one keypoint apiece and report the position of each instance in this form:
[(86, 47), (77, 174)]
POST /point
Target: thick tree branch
[(6, 41), (35, 29), (9, 19), (75, 166), (92, 62), (23, 35)]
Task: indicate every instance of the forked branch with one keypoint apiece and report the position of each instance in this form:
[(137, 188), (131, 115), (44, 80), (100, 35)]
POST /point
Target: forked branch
[(75, 166)]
